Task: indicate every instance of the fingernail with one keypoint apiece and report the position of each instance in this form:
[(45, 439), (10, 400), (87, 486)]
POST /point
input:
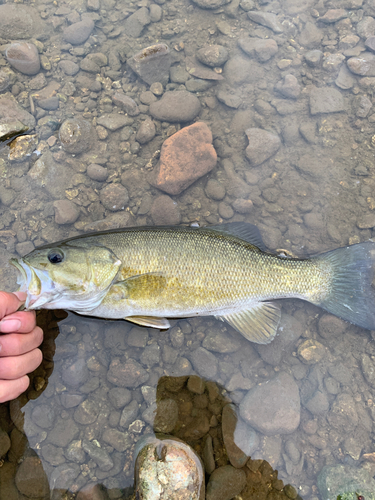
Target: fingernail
[(20, 296), (10, 325)]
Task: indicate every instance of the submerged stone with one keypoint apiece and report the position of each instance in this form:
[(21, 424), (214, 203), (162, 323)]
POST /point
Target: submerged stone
[(24, 57), (152, 63)]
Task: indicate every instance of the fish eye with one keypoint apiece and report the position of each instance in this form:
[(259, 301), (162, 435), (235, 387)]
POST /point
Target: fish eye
[(55, 256)]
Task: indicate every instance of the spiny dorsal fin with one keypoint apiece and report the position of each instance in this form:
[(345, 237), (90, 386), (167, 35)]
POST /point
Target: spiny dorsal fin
[(151, 321), (258, 323), (243, 230)]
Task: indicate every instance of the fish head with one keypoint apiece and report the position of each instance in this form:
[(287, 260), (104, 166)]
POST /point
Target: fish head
[(73, 275)]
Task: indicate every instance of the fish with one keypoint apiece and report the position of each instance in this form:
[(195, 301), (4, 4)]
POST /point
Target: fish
[(148, 274)]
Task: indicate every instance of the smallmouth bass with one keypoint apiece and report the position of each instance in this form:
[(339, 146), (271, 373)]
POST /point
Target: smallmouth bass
[(148, 274)]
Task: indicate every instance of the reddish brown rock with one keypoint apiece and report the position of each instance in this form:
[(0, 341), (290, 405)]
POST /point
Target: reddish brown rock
[(185, 157)]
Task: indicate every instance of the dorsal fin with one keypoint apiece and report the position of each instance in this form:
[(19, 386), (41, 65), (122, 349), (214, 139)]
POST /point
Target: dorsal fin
[(243, 230)]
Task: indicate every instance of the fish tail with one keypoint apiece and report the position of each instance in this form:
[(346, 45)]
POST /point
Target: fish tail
[(351, 295)]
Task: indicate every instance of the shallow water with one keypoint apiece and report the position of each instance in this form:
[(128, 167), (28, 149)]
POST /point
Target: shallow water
[(74, 428)]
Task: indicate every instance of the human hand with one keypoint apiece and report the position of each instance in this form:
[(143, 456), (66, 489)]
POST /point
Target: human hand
[(19, 341)]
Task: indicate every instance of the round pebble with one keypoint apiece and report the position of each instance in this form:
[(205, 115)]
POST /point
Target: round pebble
[(75, 135), (213, 55), (164, 211), (97, 172), (24, 57), (78, 33), (114, 197), (215, 190)]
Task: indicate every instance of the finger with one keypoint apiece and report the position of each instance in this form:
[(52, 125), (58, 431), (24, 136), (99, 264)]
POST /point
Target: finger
[(9, 303), (14, 367), (11, 389), (21, 322), (15, 344)]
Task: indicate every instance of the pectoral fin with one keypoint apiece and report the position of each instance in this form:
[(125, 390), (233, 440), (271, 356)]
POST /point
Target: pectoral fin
[(258, 323), (153, 322)]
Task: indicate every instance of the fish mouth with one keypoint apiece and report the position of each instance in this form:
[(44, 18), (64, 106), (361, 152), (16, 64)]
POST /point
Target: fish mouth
[(36, 283)]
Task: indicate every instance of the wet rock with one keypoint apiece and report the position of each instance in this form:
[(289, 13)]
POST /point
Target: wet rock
[(310, 36), (4, 443), (97, 172), (195, 68), (204, 362), (212, 55), (76, 135), (120, 441), (128, 374), (288, 87), (135, 23), (78, 33), (335, 481), (75, 453), (63, 432), (49, 104), (112, 221), (370, 43), (146, 131), (151, 355), (152, 63), (87, 412), (156, 13), (333, 15), (196, 384), (262, 145), (66, 212), (164, 211), (119, 397), (366, 27), (238, 70), (20, 22), (239, 439), (366, 221), (368, 369), (363, 65), (326, 100), (225, 483), (311, 351), (288, 333), (71, 400), (70, 68), (114, 197), (266, 19), (30, 479), (208, 455), (362, 106), (262, 48), (314, 58), (215, 190), (75, 374), (217, 341), (126, 103), (273, 407), (231, 100), (185, 157), (343, 415), (43, 416), (177, 106), (210, 4), (166, 416), (98, 455), (4, 81), (318, 404), (198, 85), (129, 414), (53, 455), (23, 57), (167, 468), (10, 110), (10, 128), (345, 79), (114, 121)]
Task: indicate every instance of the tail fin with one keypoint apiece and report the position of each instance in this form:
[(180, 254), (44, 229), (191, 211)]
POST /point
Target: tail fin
[(352, 296)]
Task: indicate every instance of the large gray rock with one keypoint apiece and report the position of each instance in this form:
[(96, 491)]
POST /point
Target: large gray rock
[(326, 100), (262, 145), (128, 374), (152, 63), (20, 21), (177, 106), (273, 407), (10, 110)]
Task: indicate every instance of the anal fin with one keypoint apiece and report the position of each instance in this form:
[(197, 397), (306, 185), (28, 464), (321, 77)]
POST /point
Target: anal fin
[(258, 323), (150, 321)]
